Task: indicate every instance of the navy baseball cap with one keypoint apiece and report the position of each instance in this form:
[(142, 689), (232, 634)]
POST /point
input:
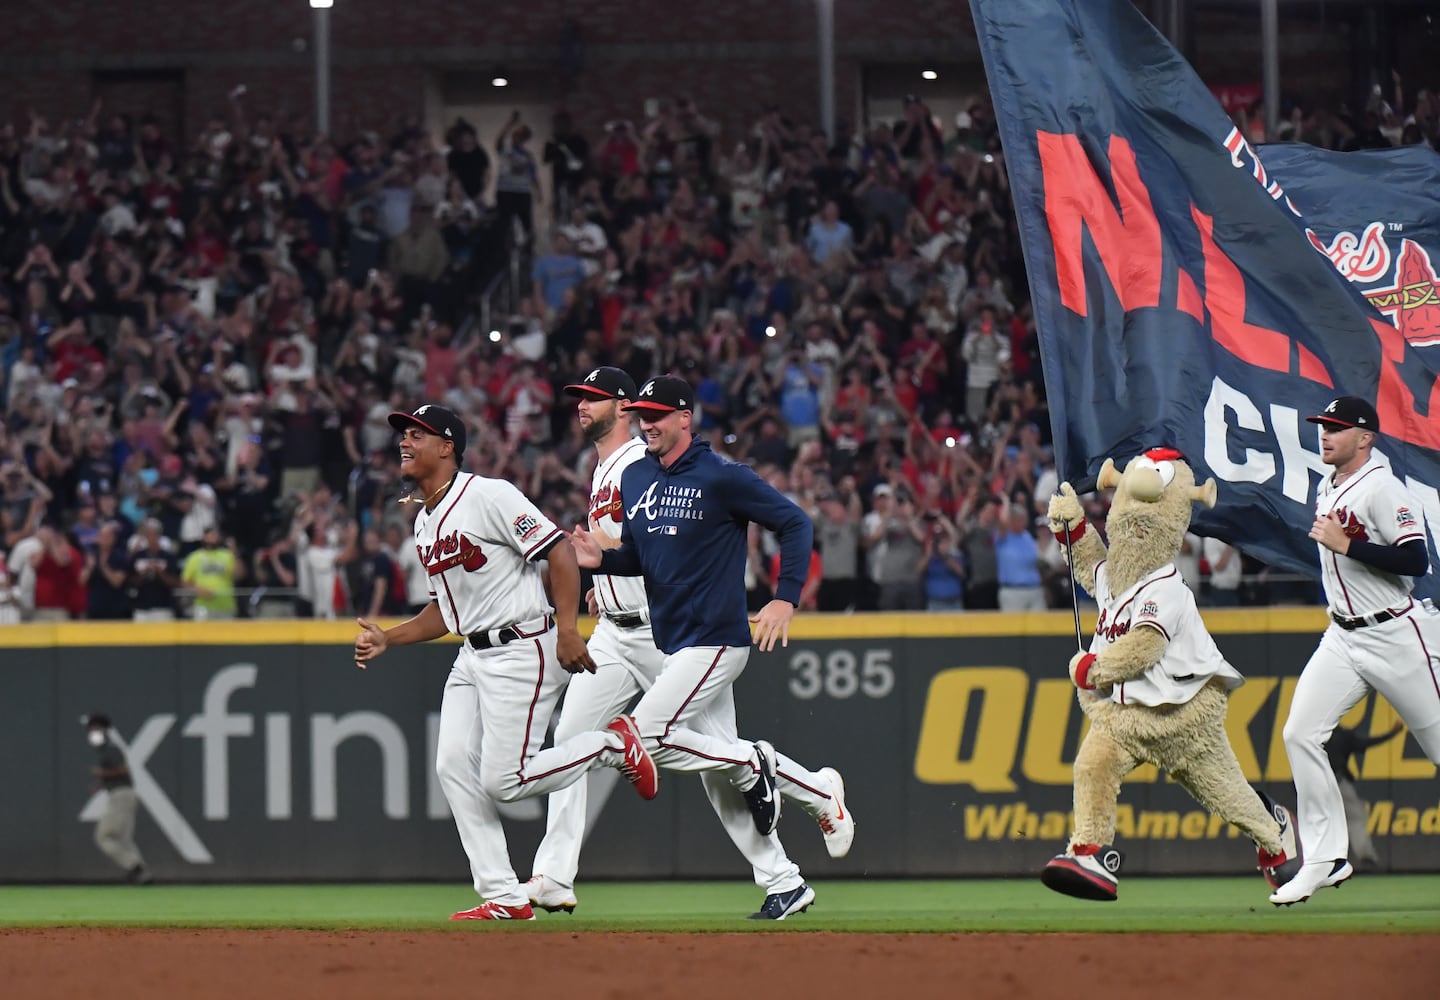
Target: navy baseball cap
[(433, 419), (604, 383), (664, 394), (1349, 411)]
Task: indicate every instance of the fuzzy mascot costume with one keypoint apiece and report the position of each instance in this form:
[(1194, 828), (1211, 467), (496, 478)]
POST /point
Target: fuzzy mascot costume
[(1153, 685)]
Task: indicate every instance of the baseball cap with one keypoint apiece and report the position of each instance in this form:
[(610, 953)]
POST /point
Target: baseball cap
[(664, 393), (433, 419), (604, 383), (1348, 411)]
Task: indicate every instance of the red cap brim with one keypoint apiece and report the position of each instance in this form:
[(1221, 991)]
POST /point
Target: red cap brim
[(399, 420), (1322, 419), (646, 405), (582, 389)]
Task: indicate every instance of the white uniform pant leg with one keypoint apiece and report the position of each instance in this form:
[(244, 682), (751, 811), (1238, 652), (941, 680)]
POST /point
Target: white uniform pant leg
[(591, 702), (1401, 660), (457, 763), (691, 680), (772, 867), (519, 684), (802, 786), (1329, 686)]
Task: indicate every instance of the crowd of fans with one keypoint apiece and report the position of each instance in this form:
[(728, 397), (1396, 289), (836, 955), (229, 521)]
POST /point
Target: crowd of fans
[(201, 344)]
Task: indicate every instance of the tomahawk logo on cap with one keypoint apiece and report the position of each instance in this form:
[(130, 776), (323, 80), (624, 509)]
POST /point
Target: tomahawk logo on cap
[(1348, 411), (433, 419), (604, 383), (664, 394)]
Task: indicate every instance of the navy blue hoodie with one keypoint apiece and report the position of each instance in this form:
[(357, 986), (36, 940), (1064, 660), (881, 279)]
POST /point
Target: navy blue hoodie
[(685, 533)]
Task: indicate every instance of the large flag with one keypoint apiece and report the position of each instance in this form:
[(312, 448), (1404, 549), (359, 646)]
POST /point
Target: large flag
[(1187, 293)]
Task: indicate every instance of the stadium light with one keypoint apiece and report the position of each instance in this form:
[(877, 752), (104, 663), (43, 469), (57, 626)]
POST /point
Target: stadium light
[(929, 74), (825, 52), (322, 63), (499, 80)]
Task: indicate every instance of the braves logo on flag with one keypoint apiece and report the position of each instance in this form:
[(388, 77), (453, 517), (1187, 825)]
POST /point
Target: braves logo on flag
[(1191, 289)]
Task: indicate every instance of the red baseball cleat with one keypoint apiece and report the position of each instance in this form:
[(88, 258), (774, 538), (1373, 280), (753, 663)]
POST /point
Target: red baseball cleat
[(491, 910), (635, 762)]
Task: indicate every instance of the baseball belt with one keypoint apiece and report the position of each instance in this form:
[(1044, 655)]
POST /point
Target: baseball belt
[(491, 638), (627, 619), (1351, 624)]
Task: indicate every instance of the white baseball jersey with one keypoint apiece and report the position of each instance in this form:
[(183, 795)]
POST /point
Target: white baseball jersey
[(477, 546), (607, 515), (1160, 601), (1376, 507)]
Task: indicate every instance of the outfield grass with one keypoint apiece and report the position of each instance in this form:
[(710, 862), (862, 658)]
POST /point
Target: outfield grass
[(1368, 904)]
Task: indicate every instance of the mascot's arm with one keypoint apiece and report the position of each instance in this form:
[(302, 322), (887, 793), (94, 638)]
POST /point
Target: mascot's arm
[(1067, 516), (1124, 660)]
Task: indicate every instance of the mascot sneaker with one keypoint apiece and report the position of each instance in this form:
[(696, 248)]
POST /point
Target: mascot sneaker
[(1280, 868), (552, 897), (835, 820), (492, 910), (1312, 876), (1085, 873)]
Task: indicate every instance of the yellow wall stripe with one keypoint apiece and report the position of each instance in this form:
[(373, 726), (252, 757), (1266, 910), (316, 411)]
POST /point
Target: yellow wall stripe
[(308, 632)]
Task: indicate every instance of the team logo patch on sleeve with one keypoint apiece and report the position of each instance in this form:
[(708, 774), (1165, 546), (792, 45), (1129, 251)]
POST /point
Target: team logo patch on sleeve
[(526, 526), (1404, 518), (1149, 609)]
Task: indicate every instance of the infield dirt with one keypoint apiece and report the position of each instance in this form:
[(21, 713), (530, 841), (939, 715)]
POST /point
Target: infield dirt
[(120, 964)]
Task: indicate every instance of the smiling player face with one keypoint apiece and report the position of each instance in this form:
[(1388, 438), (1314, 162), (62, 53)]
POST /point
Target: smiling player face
[(663, 431), (421, 453)]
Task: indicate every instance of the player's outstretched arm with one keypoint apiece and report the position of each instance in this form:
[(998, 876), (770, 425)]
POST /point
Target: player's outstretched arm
[(374, 640)]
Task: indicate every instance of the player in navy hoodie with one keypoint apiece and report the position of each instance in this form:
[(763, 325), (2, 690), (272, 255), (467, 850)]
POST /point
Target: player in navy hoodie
[(687, 512)]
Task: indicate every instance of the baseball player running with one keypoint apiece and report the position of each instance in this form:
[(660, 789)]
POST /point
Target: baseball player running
[(686, 513), (628, 662), (480, 541), (1371, 534)]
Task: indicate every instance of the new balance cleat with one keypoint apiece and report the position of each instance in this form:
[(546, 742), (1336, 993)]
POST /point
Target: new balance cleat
[(491, 910), (635, 762), (779, 905), (763, 798), (552, 897), (1085, 873), (836, 822)]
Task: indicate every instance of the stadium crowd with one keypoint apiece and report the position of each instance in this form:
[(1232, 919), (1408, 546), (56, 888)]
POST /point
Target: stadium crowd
[(201, 344)]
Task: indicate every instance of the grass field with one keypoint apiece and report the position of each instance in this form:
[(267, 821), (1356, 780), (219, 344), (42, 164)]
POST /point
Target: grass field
[(1367, 904)]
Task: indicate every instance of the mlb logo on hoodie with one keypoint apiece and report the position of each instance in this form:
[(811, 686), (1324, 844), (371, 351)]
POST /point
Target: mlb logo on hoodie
[(670, 529)]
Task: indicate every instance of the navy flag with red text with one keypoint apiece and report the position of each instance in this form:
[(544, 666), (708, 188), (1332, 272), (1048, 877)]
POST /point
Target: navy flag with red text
[(1191, 291)]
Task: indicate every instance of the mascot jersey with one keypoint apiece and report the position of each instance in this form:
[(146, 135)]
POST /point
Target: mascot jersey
[(1161, 601)]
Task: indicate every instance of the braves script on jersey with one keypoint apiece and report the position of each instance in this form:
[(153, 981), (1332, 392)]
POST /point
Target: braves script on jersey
[(477, 546), (1160, 601), (607, 515), (1373, 506)]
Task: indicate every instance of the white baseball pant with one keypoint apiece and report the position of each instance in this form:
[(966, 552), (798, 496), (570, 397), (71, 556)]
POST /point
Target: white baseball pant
[(1400, 659), (493, 719), (628, 663)]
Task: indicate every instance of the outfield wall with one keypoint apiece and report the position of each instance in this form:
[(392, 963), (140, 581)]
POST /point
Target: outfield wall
[(262, 753)]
